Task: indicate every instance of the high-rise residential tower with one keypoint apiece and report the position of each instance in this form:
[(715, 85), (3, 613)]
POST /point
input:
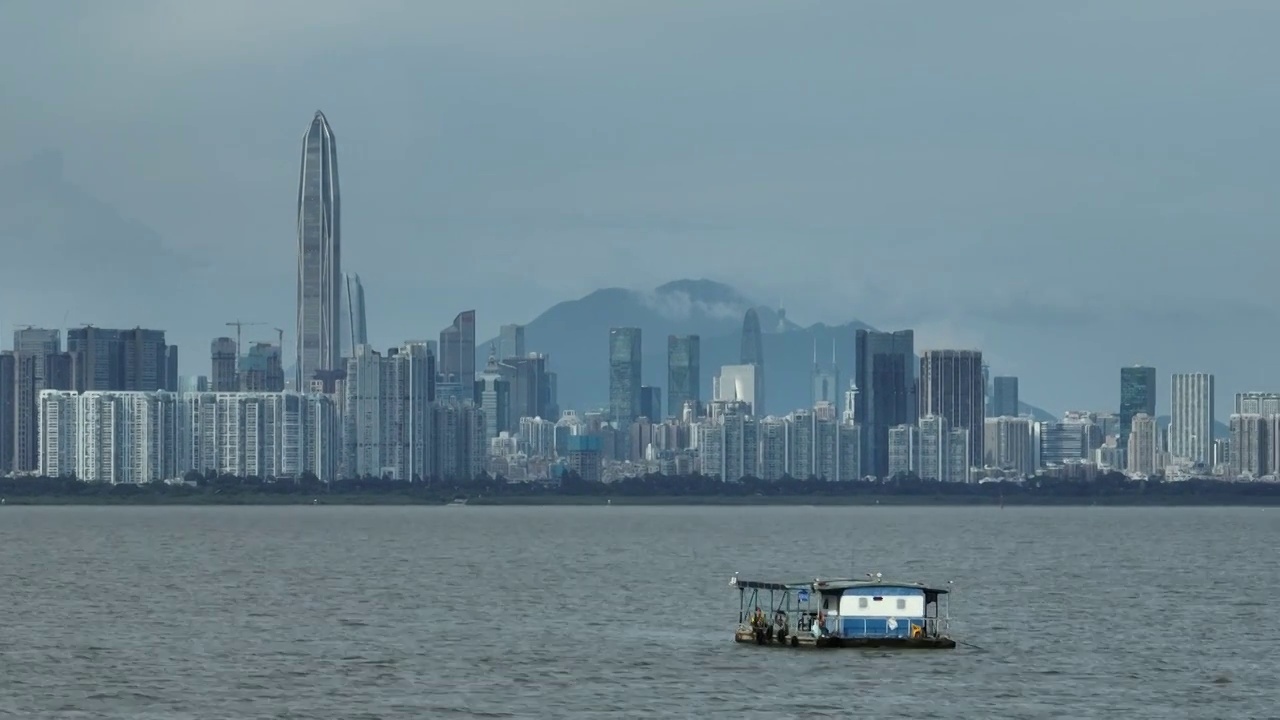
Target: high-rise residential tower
[(753, 354), (684, 372), (624, 374), (1191, 419), (351, 318), (1137, 395), (319, 254), (222, 356), (886, 380), (952, 387)]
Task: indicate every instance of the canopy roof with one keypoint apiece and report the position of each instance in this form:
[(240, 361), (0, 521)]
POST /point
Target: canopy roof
[(835, 585)]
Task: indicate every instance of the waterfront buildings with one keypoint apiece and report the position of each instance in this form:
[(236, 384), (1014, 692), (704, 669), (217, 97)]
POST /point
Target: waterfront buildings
[(624, 374), (1004, 397), (684, 373), (952, 387), (886, 382), (319, 255), (456, 365), (753, 354), (1137, 395), (352, 329), (1191, 420)]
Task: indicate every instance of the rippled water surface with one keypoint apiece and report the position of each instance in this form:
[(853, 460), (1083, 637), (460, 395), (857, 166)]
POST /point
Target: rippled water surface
[(328, 612)]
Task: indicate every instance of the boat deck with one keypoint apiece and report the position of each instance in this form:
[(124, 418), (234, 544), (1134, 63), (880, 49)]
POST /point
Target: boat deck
[(805, 640)]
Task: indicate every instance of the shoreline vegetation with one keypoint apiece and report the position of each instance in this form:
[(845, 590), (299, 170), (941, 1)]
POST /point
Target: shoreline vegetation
[(1112, 489)]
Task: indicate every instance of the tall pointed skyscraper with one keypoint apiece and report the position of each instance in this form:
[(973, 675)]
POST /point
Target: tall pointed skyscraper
[(753, 354), (351, 322), (319, 254)]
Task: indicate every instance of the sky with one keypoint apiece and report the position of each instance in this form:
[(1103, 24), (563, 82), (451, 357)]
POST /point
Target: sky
[(1069, 187)]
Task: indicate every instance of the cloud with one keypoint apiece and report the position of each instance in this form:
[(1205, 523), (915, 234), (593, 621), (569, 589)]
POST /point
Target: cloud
[(681, 305)]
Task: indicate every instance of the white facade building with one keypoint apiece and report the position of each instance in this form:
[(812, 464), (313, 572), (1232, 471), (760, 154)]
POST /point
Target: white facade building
[(737, 383), (111, 437), (267, 435), (1191, 422)]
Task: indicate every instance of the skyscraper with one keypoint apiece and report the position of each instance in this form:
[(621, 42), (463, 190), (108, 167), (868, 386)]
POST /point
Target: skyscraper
[(351, 319), (39, 343), (319, 254), (753, 354), (1004, 396), (511, 342), (886, 384), (684, 372), (1191, 420), (825, 379), (8, 384), (458, 353), (624, 374), (222, 355), (1137, 395), (951, 387)]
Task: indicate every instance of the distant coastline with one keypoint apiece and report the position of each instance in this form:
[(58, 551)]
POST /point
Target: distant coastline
[(1106, 490)]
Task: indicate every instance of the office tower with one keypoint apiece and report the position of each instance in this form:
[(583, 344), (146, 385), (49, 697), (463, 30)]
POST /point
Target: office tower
[(266, 435), (319, 254), (651, 403), (753, 354), (26, 413), (459, 449), (222, 353), (1064, 442), (172, 378), (684, 372), (38, 343), (260, 369), (1191, 420), (123, 437), (986, 388), (738, 383), (1137, 395), (885, 378), (456, 363), (386, 418), (8, 385), (511, 341), (1248, 451), (951, 386), (624, 374), (146, 360), (493, 395), (826, 378), (1257, 403), (532, 388), (1143, 445), (1004, 396), (351, 316)]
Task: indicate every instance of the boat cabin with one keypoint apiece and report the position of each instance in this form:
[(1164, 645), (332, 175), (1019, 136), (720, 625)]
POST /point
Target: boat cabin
[(843, 613)]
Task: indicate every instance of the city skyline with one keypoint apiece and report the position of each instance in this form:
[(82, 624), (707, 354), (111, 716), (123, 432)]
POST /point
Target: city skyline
[(869, 178)]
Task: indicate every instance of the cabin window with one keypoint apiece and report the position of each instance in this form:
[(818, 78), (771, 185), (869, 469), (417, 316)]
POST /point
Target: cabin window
[(862, 602), (902, 603)]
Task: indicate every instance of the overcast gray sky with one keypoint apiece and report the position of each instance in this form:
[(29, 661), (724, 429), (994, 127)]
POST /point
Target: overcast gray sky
[(1069, 186)]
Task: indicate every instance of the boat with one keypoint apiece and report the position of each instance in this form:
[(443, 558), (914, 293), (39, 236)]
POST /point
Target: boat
[(458, 502), (845, 613)]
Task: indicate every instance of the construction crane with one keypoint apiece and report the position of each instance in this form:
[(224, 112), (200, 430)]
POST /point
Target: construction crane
[(239, 326), (280, 341)]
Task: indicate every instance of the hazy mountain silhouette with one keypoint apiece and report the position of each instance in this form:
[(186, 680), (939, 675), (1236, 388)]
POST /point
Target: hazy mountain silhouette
[(575, 334)]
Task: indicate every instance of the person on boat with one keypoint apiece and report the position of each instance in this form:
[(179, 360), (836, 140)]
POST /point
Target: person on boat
[(758, 620), (820, 626)]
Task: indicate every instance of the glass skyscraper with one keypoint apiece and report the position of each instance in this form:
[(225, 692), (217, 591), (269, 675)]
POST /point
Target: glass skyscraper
[(753, 354), (624, 374), (886, 381), (351, 322), (952, 387), (319, 254), (1137, 395), (684, 372)]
